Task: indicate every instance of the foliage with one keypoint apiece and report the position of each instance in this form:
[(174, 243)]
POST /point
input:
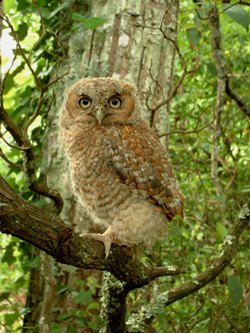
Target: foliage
[(27, 98), (28, 95)]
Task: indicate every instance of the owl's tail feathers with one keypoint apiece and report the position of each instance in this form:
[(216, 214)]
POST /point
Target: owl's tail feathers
[(174, 208), (107, 238)]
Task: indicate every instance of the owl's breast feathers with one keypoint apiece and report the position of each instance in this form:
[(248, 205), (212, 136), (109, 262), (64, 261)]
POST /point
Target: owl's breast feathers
[(139, 161)]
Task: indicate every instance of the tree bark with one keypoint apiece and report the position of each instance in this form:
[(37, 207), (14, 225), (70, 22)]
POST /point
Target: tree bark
[(220, 65)]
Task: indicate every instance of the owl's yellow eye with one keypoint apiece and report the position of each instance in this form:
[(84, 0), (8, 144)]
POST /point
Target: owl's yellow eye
[(115, 102), (85, 102)]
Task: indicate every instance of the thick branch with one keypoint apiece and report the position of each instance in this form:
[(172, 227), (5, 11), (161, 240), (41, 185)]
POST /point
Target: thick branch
[(50, 234)]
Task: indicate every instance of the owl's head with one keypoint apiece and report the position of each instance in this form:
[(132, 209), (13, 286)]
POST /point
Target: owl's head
[(102, 101)]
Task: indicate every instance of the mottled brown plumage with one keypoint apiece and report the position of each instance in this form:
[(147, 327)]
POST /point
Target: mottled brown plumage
[(119, 168)]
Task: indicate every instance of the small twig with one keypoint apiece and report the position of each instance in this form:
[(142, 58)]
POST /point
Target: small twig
[(56, 80), (5, 158), (191, 131), (231, 93), (166, 271), (244, 3), (217, 14), (179, 82), (238, 74), (156, 82), (12, 146), (91, 46), (36, 112)]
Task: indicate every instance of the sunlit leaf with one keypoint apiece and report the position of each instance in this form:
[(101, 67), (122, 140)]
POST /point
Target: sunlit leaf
[(8, 5), (10, 318), (221, 230)]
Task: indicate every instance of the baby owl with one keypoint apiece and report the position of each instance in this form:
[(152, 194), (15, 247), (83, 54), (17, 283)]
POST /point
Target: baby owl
[(119, 169)]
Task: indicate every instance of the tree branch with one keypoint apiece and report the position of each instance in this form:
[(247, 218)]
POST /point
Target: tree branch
[(50, 234)]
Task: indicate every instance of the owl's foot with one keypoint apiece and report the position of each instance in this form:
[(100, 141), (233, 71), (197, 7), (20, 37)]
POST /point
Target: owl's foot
[(107, 238)]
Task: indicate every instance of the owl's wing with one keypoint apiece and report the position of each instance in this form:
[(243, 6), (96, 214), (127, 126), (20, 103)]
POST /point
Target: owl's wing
[(139, 160)]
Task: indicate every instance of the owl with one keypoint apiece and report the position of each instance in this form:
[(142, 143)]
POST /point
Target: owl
[(119, 169)]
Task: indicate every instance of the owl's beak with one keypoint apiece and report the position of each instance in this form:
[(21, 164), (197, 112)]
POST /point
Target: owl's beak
[(99, 113)]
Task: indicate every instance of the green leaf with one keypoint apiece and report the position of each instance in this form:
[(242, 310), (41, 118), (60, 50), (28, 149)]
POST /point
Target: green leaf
[(22, 5), (8, 5), (22, 31), (10, 318), (18, 69), (239, 15), (34, 263), (247, 265), (58, 9), (99, 323), (8, 256), (84, 297), (8, 83), (4, 296), (235, 289), (71, 330), (93, 306), (221, 230), (20, 281), (55, 328), (90, 23), (193, 36), (245, 189), (211, 69)]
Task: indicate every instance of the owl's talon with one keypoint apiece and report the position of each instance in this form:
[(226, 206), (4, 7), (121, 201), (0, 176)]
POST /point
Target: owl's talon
[(107, 238)]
